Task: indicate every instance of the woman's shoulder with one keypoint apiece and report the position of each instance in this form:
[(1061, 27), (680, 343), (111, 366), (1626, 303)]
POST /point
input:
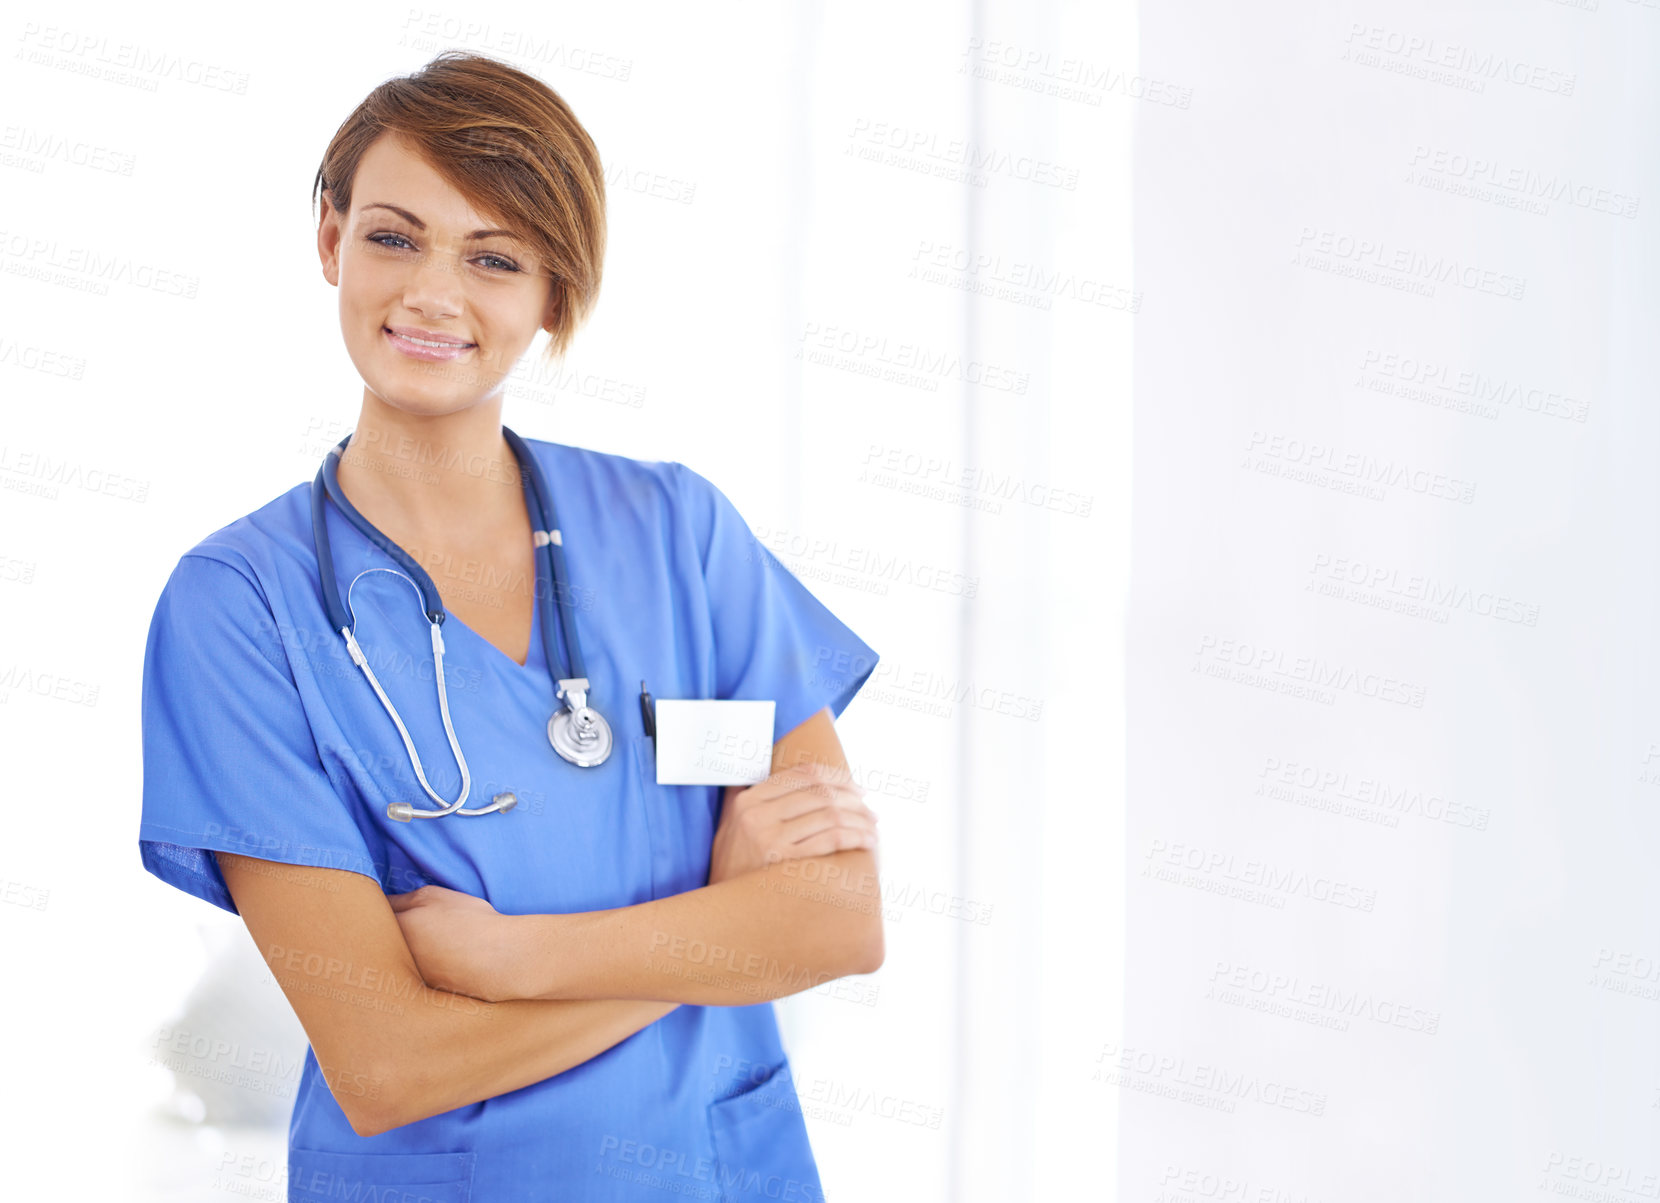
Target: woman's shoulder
[(254, 544), (609, 475)]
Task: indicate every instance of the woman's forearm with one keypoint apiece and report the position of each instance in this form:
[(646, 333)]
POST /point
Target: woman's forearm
[(759, 936), (392, 1049), (462, 1050)]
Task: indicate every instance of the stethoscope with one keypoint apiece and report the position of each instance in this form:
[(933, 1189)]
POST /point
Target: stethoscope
[(579, 733)]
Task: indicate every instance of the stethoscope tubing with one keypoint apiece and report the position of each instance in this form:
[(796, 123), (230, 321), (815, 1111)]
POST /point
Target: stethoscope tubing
[(555, 594), (550, 595), (548, 529)]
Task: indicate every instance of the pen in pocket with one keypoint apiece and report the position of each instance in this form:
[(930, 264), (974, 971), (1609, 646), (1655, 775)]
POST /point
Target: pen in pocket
[(647, 720)]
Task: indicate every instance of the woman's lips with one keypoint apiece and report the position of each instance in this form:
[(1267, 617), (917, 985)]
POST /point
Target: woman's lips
[(429, 349)]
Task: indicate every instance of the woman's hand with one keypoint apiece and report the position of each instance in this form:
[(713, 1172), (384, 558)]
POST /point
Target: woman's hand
[(812, 810), (461, 943)]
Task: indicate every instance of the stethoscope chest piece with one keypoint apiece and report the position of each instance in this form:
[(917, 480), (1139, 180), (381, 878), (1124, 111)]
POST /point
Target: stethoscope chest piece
[(579, 733)]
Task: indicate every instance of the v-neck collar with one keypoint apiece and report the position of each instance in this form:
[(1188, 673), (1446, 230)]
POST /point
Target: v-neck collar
[(535, 661), (539, 631), (535, 658)]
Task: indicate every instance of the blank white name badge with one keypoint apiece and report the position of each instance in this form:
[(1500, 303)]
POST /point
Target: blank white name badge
[(702, 742)]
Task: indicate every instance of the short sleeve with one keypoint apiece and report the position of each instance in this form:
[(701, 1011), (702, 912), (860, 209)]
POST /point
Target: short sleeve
[(230, 762), (773, 639)]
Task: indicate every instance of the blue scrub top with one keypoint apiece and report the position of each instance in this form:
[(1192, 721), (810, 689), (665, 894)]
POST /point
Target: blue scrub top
[(261, 737)]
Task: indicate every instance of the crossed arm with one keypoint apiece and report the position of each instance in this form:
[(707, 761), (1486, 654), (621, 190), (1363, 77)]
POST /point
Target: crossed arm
[(521, 998)]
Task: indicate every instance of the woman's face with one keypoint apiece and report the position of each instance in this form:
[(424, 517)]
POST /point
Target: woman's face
[(412, 273)]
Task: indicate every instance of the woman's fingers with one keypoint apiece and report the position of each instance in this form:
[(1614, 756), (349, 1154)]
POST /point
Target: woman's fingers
[(786, 781), (825, 843), (811, 809), (798, 800), (800, 828), (850, 803), (808, 775)]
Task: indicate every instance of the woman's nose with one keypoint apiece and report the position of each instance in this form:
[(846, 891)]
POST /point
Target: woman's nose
[(434, 285)]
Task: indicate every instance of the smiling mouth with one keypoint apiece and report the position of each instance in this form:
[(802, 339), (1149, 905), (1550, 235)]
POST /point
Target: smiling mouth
[(427, 342)]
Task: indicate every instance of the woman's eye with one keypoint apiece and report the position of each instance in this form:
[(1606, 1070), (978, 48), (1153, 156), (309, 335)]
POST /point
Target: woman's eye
[(397, 242)]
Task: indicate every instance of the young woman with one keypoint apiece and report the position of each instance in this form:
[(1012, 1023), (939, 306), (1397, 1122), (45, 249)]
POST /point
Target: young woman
[(527, 970)]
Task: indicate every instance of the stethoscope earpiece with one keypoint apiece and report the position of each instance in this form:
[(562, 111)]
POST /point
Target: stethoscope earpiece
[(403, 812)]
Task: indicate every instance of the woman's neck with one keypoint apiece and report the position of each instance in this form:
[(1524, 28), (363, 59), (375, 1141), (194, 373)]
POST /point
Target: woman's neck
[(448, 480)]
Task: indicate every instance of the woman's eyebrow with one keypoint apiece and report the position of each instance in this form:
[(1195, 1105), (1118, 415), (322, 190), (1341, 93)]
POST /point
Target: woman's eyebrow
[(421, 225)]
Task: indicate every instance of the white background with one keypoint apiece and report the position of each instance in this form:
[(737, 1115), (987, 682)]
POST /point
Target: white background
[(1394, 747), (1274, 388)]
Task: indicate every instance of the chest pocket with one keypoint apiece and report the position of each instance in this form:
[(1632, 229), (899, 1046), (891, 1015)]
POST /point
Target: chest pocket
[(681, 819)]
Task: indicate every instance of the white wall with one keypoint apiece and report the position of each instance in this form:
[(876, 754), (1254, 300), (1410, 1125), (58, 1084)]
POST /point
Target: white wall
[(1392, 792)]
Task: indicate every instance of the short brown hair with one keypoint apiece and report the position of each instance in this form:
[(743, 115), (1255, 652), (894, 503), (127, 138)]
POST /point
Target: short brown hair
[(510, 145)]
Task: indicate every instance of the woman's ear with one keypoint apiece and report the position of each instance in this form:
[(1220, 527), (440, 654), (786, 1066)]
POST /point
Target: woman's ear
[(328, 240)]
